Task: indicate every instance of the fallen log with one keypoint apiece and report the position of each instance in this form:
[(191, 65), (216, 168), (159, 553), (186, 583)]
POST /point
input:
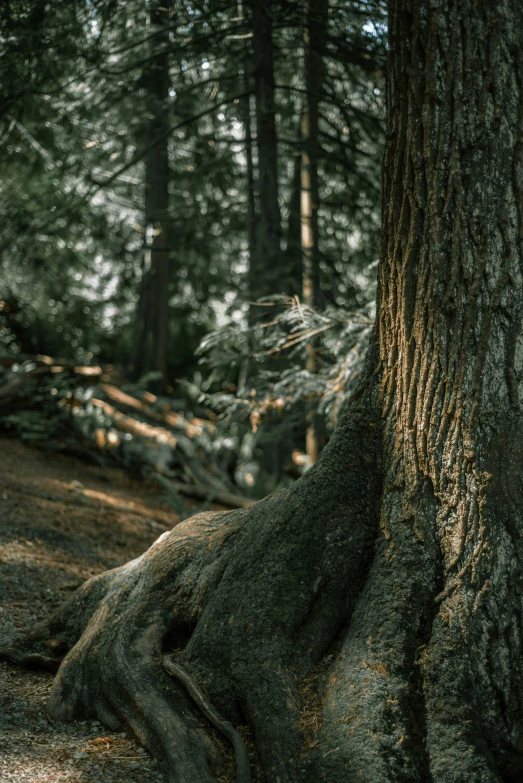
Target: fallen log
[(150, 446), (133, 426), (52, 365), (172, 419)]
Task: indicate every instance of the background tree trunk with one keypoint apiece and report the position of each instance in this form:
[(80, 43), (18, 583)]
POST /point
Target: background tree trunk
[(267, 259), (314, 38), (314, 42), (293, 253), (245, 105), (153, 307), (252, 211)]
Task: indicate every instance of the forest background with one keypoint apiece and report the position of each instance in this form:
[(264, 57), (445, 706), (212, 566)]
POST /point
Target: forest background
[(190, 210)]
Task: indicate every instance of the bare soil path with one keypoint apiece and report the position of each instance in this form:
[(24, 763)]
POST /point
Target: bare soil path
[(62, 521)]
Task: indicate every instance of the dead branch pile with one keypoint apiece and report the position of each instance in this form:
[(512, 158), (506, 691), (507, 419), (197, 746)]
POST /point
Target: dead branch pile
[(92, 412)]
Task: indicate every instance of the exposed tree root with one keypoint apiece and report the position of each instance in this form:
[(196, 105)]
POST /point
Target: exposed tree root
[(114, 626), (456, 741), (368, 728), (412, 695), (31, 660), (250, 598), (226, 728), (253, 599)]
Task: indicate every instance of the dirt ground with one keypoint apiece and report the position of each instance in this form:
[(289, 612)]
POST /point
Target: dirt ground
[(61, 521)]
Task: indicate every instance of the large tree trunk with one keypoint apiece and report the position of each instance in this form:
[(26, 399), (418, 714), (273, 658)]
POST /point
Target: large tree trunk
[(428, 683), (391, 574), (150, 353)]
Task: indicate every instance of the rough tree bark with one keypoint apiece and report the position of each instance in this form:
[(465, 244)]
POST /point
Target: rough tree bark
[(150, 352), (396, 562)]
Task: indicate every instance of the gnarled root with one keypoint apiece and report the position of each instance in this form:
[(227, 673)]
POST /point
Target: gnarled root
[(251, 599), (423, 690), (247, 625), (114, 627), (45, 646), (206, 708), (373, 721)]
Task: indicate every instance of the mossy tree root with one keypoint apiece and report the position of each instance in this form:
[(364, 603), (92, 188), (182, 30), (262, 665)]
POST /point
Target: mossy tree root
[(250, 600), (423, 687)]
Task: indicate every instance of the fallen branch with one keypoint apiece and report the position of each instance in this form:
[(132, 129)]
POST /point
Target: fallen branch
[(193, 471), (133, 426), (203, 492), (172, 419)]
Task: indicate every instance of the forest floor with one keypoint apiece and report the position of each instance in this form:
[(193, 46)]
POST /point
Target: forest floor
[(61, 521)]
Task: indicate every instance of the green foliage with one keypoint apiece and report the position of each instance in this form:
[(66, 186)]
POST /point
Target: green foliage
[(32, 425), (43, 417), (269, 360), (73, 82)]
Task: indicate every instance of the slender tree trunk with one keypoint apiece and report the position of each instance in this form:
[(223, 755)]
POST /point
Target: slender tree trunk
[(267, 258), (317, 12), (314, 41), (252, 222), (252, 212), (293, 254), (389, 578), (153, 308), (245, 105)]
